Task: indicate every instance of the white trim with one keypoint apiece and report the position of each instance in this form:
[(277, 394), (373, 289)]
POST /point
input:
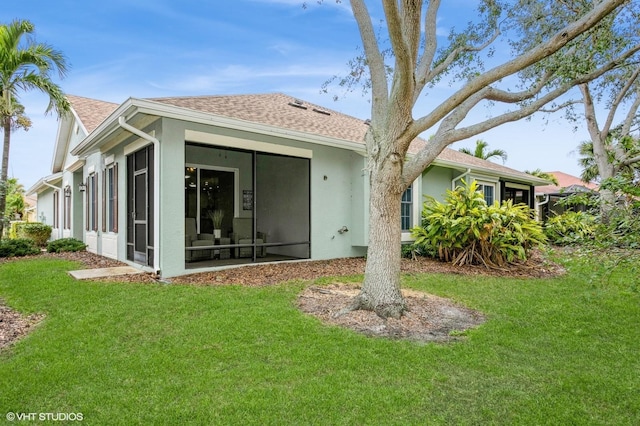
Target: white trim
[(416, 208), (486, 179), (492, 184), (91, 239), (75, 166), (135, 146), (516, 185), (236, 186), (109, 160), (91, 170), (231, 142), (110, 245)]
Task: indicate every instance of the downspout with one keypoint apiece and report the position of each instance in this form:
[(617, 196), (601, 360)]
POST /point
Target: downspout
[(547, 197), (60, 206), (453, 182), (137, 132), (156, 207)]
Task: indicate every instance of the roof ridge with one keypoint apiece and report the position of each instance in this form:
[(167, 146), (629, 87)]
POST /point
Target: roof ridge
[(90, 99)]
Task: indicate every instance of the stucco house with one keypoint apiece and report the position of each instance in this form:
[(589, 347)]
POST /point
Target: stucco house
[(175, 185)]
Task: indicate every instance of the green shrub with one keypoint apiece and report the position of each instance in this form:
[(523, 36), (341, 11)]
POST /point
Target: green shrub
[(16, 229), (38, 232), (465, 230), (17, 247), (570, 228), (65, 244)]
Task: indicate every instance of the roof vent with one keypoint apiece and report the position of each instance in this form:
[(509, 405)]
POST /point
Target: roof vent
[(298, 104), (319, 111), (367, 122)]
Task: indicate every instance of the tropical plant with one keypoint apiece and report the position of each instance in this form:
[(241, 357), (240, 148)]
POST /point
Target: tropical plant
[(15, 199), (626, 146), (465, 230), (216, 217), (543, 175), (570, 228), (481, 151), (25, 65)]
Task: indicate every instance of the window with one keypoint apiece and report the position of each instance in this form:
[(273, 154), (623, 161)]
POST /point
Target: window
[(110, 199), (66, 214), (56, 209), (488, 190), (92, 202), (406, 209)]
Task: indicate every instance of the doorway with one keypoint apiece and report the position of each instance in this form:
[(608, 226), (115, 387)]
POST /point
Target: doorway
[(140, 214)]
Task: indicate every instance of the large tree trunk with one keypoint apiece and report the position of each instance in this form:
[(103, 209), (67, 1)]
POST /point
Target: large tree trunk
[(6, 125), (381, 288)]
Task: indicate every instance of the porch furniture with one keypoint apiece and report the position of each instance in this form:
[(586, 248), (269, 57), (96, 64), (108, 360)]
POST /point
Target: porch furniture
[(193, 239), (223, 253), (242, 234)]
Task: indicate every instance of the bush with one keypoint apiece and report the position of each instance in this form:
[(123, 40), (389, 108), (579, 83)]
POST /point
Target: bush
[(17, 247), (38, 232), (65, 244), (16, 229), (570, 228), (465, 230)]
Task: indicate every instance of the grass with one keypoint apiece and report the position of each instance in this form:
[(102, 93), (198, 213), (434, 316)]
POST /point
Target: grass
[(558, 351)]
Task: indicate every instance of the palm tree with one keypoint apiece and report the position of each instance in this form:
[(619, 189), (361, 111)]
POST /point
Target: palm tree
[(625, 147), (543, 175), (481, 151), (24, 65)]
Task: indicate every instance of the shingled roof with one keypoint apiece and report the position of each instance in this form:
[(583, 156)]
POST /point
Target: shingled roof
[(284, 112), (91, 112)]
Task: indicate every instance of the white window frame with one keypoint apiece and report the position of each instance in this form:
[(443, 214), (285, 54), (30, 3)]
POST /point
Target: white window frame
[(416, 200), (485, 183)]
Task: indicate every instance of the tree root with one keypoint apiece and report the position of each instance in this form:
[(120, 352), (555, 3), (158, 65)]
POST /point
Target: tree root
[(383, 310)]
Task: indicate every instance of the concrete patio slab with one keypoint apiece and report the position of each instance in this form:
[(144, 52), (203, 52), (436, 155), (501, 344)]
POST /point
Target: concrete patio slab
[(88, 274)]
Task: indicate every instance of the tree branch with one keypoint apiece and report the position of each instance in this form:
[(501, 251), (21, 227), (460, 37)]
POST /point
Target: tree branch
[(631, 161), (375, 61), (560, 107), (447, 133), (616, 103), (633, 110), (430, 44), (404, 30), (543, 50)]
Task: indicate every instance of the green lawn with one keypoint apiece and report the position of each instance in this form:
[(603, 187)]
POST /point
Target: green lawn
[(563, 351)]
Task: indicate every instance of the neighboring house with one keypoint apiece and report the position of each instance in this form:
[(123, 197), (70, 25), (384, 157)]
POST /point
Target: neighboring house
[(177, 184), (30, 203), (548, 196)]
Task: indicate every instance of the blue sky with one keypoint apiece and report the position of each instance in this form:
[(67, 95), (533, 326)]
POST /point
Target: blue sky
[(150, 48)]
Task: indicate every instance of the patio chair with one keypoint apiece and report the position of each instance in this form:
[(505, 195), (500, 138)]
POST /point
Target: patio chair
[(193, 239), (242, 234)]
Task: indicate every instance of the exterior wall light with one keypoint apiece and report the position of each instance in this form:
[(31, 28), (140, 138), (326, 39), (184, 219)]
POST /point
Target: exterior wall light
[(82, 187)]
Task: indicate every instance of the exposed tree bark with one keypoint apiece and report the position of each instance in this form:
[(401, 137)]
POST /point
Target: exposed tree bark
[(6, 127)]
